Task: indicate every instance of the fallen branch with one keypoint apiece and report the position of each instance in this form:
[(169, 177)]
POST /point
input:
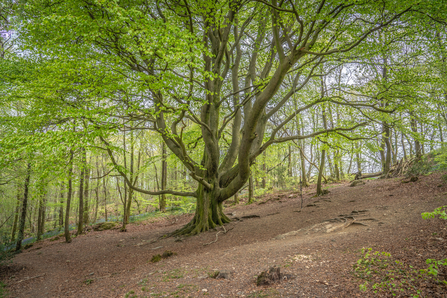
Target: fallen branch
[(29, 278), (217, 235)]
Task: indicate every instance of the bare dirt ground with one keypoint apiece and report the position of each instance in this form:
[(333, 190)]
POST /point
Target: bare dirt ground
[(314, 249)]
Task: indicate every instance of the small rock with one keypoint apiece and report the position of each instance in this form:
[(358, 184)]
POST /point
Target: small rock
[(204, 290)]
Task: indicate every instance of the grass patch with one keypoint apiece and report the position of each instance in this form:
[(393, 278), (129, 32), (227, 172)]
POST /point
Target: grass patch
[(174, 274)]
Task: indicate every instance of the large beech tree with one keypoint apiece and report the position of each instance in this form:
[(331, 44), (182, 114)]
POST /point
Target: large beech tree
[(230, 68)]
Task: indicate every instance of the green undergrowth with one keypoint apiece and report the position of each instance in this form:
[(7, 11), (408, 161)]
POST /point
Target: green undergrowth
[(431, 162), (6, 254), (3, 290), (380, 273)]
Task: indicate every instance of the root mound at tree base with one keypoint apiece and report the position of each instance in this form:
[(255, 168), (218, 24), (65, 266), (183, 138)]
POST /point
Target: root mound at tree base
[(198, 225)]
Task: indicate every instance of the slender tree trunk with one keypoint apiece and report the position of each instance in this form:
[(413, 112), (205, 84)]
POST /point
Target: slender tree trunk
[(24, 208), (336, 165), (86, 195), (105, 198), (403, 145), (304, 182), (81, 195), (41, 213), (16, 214), (97, 192), (250, 189), (61, 208), (264, 169), (69, 193), (289, 166), (417, 144), (387, 164), (320, 173), (440, 133), (395, 149), (164, 172), (423, 142), (323, 152)]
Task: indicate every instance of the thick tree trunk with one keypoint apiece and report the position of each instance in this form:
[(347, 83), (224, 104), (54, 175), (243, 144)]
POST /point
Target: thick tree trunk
[(24, 209), (69, 193), (209, 214)]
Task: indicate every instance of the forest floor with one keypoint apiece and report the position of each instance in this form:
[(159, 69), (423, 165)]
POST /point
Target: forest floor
[(317, 255)]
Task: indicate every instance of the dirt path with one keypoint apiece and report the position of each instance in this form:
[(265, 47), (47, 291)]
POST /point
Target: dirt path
[(320, 244)]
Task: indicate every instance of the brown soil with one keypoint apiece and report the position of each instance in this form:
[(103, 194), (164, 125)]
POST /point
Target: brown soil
[(315, 255)]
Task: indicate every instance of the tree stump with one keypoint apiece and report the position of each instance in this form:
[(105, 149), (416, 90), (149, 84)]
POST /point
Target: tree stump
[(269, 277)]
